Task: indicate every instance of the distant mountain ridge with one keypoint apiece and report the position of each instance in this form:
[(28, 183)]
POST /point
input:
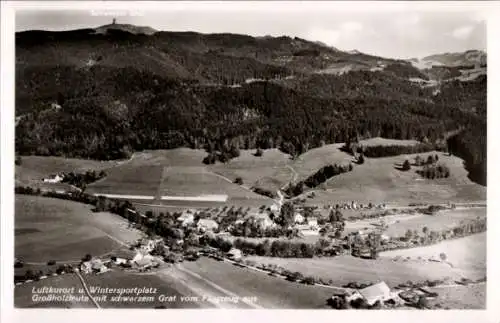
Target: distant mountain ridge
[(459, 59), (133, 29)]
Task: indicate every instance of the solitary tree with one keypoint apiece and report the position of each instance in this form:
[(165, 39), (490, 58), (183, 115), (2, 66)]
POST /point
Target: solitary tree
[(238, 180), (406, 165), (361, 159), (442, 256), (259, 152)]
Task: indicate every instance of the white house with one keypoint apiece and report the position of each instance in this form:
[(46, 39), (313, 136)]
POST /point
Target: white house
[(186, 218), (94, 265), (149, 244), (207, 225), (298, 218), (313, 224), (264, 221), (305, 230), (54, 179), (234, 254), (119, 261)]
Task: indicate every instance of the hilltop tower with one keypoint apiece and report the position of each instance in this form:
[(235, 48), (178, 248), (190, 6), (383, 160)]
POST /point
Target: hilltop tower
[(114, 21)]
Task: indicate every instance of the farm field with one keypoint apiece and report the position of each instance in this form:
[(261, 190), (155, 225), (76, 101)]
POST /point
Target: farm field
[(466, 255), (268, 171), (129, 179), (197, 181), (378, 181), (443, 220), (345, 269), (37, 167), (271, 292), (400, 223), (23, 294), (52, 229)]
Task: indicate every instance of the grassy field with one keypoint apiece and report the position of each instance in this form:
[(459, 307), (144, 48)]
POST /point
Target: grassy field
[(378, 181), (314, 159), (196, 181), (268, 171), (345, 269), (51, 229), (271, 292), (38, 167), (129, 179), (400, 223), (460, 297), (443, 220), (467, 256), (177, 172), (181, 172)]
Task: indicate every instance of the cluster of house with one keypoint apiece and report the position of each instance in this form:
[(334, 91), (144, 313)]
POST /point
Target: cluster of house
[(306, 227), (359, 206), (141, 261), (204, 225)]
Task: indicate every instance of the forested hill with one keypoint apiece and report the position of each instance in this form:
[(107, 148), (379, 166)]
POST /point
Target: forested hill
[(105, 94)]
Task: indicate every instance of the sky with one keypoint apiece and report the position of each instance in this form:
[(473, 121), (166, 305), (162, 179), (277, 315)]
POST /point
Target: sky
[(401, 32)]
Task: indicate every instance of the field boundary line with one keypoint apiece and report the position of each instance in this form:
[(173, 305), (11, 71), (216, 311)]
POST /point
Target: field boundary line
[(86, 289), (230, 181)]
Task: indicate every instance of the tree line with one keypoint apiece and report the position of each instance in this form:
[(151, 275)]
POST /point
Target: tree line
[(321, 176)]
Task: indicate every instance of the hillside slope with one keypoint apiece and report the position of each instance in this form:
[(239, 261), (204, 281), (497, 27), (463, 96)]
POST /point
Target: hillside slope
[(101, 95)]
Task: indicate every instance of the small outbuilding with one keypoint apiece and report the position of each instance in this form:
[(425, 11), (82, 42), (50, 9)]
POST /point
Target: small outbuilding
[(234, 254)]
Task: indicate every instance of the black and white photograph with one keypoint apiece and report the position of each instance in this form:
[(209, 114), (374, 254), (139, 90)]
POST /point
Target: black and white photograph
[(238, 156)]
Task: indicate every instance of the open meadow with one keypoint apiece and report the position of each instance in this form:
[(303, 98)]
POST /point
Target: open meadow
[(460, 297), (52, 229), (344, 269), (398, 224), (268, 171), (379, 181), (180, 172), (466, 256)]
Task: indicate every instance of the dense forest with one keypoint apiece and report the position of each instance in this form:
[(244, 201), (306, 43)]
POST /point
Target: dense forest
[(105, 96)]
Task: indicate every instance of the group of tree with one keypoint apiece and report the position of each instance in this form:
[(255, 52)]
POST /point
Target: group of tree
[(435, 171), (420, 161), (395, 150), (321, 176), (81, 180), (168, 113), (265, 192), (225, 154), (427, 236), (470, 145)]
